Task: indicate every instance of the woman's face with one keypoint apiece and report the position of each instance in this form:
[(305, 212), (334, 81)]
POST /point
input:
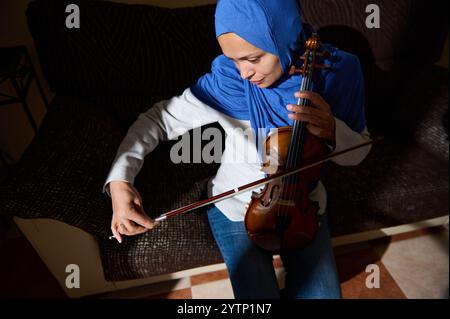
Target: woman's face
[(259, 67)]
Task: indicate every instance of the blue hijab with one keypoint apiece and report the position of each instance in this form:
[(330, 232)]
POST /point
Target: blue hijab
[(276, 27)]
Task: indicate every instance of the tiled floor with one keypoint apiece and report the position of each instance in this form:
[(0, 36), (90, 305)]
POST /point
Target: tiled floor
[(412, 265), (420, 265)]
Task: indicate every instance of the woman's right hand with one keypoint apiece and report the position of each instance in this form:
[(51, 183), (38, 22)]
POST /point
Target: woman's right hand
[(129, 217)]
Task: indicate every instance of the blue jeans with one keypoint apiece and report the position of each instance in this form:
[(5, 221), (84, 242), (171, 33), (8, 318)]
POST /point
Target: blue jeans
[(310, 272)]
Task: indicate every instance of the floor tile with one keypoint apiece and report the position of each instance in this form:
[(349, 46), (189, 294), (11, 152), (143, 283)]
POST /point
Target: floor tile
[(419, 265), (352, 272), (220, 289), (412, 265), (208, 277), (176, 294), (149, 290)]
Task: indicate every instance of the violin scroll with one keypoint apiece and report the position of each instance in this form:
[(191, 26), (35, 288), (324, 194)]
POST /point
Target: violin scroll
[(309, 58)]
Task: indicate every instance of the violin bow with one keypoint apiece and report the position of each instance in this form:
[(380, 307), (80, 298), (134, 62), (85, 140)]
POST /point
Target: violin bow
[(261, 182)]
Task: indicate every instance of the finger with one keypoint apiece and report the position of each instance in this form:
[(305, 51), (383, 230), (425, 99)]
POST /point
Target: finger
[(132, 228), (308, 118), (141, 218), (307, 110), (316, 99), (116, 233), (124, 230)]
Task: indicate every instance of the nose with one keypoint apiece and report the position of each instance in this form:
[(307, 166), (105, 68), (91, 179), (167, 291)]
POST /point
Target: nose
[(246, 72)]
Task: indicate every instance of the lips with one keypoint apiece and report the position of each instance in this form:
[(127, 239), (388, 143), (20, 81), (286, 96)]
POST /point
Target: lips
[(257, 82)]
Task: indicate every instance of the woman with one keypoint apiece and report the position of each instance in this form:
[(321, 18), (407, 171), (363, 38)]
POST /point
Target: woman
[(250, 87)]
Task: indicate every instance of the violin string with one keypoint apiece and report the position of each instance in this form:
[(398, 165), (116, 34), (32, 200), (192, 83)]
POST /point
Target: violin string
[(299, 131)]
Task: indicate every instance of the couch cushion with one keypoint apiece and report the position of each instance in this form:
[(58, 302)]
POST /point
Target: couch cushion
[(405, 179), (60, 173), (398, 183)]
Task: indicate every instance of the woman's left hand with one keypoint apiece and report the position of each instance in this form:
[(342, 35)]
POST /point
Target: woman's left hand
[(319, 117)]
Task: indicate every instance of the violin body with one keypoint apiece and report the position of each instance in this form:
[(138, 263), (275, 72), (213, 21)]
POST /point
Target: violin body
[(281, 216)]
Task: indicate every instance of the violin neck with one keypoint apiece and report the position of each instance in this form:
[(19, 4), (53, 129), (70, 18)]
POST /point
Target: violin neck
[(299, 129)]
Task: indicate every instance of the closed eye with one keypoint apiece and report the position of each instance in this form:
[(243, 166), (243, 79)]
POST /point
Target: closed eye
[(254, 61), (251, 60)]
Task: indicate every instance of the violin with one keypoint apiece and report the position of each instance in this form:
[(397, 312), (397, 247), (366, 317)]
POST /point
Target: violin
[(282, 216)]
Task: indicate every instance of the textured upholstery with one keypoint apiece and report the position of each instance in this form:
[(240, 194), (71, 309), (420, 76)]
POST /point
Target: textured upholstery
[(140, 51), (127, 57)]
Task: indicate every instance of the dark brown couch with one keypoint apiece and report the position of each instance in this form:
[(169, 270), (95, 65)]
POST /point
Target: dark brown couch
[(124, 58)]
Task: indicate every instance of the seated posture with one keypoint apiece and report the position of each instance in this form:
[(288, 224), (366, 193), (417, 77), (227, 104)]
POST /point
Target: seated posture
[(250, 89)]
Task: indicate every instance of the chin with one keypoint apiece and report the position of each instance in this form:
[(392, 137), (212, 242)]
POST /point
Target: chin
[(265, 85)]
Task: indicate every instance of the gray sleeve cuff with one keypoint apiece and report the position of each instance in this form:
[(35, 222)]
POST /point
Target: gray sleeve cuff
[(346, 138), (118, 173)]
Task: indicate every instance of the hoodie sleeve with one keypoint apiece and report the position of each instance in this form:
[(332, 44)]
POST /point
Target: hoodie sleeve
[(166, 120)]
